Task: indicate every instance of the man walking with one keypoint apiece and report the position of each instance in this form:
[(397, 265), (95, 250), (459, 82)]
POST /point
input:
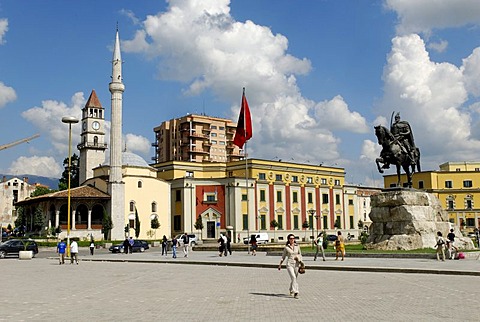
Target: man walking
[(186, 242), (61, 247), (130, 245), (174, 247), (73, 252)]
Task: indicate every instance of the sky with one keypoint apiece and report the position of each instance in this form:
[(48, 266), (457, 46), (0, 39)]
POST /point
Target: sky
[(318, 75)]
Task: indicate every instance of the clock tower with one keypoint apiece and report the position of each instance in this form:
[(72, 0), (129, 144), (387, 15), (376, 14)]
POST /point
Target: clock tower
[(92, 146)]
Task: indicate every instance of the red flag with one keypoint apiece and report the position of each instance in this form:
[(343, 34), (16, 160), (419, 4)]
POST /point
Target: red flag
[(244, 125)]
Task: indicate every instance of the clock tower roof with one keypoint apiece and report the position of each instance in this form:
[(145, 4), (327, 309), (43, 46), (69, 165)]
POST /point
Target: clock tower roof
[(93, 101)]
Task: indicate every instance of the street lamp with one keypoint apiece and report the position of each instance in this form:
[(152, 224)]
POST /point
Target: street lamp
[(69, 120), (312, 212)]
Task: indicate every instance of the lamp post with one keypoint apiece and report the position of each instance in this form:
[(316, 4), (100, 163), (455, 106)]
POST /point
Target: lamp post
[(312, 212), (69, 120)]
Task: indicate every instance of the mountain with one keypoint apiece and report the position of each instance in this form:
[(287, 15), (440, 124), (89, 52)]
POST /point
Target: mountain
[(52, 183)]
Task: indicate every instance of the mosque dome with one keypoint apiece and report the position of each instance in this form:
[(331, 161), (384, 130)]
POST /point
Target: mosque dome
[(129, 159)]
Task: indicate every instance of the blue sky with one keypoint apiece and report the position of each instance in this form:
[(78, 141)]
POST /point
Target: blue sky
[(318, 74)]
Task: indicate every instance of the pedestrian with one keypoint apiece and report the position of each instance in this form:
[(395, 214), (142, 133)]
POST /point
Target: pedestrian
[(477, 236), (293, 254), (238, 238), (225, 240), (92, 247), (130, 245), (126, 245), (319, 243), (253, 242), (61, 247), (228, 245), (221, 245), (73, 252), (164, 245), (339, 246), (451, 244), (186, 242), (174, 247), (440, 246)]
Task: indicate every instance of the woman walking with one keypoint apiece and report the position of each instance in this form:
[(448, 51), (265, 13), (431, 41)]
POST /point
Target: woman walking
[(340, 245), (292, 253), (253, 242), (319, 243)]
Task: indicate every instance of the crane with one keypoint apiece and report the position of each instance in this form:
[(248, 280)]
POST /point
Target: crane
[(9, 145)]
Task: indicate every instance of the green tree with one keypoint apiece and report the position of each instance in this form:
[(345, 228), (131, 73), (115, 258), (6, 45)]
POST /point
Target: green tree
[(107, 225), (74, 182), (154, 224), (360, 224), (38, 220), (21, 220), (305, 225), (274, 225), (40, 191), (199, 225), (137, 224), (338, 224)]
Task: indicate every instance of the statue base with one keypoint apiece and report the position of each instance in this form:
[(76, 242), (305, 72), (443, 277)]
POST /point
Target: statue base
[(407, 219)]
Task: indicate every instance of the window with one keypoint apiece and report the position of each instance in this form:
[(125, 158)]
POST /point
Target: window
[(295, 222), (450, 204), (467, 184), (337, 199), (393, 185), (262, 176), (245, 222), (294, 178), (244, 197), (279, 196), (324, 181), (222, 142), (310, 197), (477, 169), (309, 180), (337, 182), (139, 184), (470, 222), (280, 222), (213, 142), (448, 184), (263, 222), (295, 197), (278, 177), (132, 206), (420, 184), (154, 206), (177, 222), (468, 204), (213, 135), (213, 127), (325, 222), (221, 128), (324, 198), (262, 195), (350, 202), (178, 195), (351, 223), (189, 174), (211, 198)]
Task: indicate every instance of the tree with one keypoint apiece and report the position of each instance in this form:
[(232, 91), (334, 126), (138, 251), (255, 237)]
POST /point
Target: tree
[(154, 224), (274, 225), (305, 225), (199, 225), (21, 220), (107, 225), (38, 220), (338, 224), (360, 224), (40, 191), (74, 181), (137, 224)]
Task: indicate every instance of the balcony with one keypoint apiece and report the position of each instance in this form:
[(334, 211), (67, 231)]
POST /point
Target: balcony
[(199, 151), (92, 145)]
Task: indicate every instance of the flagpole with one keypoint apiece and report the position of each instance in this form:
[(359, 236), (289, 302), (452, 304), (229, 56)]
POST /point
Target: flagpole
[(246, 185)]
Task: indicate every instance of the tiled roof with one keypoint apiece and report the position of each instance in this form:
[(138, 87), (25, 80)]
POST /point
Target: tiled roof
[(79, 192), (93, 100)]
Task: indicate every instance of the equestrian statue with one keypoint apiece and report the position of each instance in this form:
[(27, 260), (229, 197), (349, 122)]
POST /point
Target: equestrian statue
[(398, 148)]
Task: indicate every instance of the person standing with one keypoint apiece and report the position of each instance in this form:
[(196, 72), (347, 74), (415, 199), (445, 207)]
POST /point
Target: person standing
[(73, 252), (221, 245), (225, 251), (126, 245), (440, 246), (228, 245), (92, 247), (319, 243), (293, 255), (174, 247), (61, 247), (339, 246), (451, 244), (186, 242), (253, 242), (130, 245), (164, 245)]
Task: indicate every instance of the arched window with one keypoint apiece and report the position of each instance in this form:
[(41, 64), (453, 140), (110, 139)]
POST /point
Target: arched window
[(154, 206), (95, 140), (139, 184), (132, 206)]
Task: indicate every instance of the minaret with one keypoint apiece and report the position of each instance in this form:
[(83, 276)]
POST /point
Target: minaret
[(116, 185)]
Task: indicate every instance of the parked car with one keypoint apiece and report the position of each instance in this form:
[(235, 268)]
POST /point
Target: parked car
[(192, 239), (138, 246), (331, 237), (262, 238), (14, 246)]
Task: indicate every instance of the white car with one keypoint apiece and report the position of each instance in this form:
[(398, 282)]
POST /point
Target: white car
[(192, 239), (262, 238)]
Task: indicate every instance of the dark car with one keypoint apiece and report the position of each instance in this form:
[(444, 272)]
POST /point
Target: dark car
[(331, 237), (138, 246), (14, 246)]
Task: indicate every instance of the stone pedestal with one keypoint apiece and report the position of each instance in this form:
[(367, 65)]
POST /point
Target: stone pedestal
[(406, 219)]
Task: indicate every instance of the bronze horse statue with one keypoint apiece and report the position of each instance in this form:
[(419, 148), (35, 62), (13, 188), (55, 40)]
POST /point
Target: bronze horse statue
[(395, 153)]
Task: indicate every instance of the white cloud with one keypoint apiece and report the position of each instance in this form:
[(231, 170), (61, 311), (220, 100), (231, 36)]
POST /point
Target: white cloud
[(137, 143), (3, 29), (200, 44), (7, 95), (422, 16), (439, 47), (36, 165), (471, 72)]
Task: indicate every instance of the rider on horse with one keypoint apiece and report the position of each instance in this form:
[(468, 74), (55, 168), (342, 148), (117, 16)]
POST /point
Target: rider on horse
[(402, 132)]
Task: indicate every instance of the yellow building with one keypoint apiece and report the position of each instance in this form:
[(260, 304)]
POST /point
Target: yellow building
[(241, 197), (457, 186)]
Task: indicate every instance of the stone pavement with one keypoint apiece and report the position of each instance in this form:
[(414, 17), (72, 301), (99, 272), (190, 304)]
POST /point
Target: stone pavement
[(146, 287)]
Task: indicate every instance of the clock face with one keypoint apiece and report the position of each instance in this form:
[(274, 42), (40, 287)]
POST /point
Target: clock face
[(95, 125)]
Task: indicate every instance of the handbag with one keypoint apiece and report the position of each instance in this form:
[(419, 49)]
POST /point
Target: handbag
[(301, 270)]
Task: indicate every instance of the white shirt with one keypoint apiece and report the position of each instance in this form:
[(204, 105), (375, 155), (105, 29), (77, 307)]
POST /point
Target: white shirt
[(74, 247)]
